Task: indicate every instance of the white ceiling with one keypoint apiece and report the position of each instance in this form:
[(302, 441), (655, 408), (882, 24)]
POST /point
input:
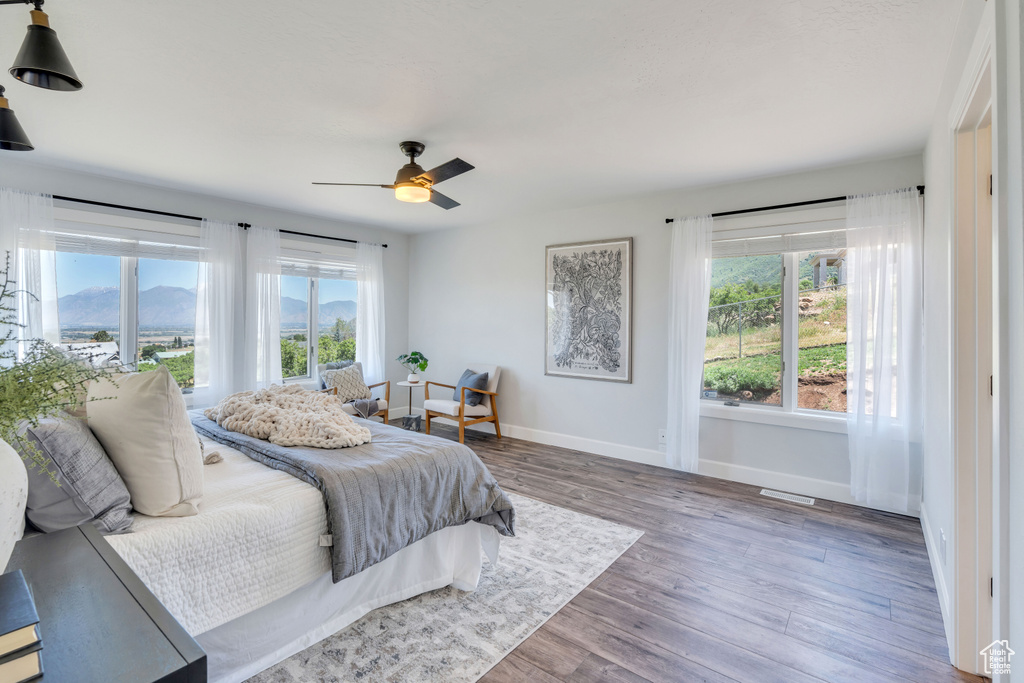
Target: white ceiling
[(557, 104)]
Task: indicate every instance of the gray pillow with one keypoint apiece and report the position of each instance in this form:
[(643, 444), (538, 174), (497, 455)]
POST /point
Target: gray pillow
[(90, 488), (473, 381), (340, 365)]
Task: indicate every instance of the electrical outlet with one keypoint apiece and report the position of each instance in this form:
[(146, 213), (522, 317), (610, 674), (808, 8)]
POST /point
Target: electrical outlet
[(942, 545), (662, 440)]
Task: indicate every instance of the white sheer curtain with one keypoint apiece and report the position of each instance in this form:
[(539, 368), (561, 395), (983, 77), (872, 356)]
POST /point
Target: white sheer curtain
[(262, 308), (690, 287), (219, 312), (370, 311), (26, 223), (884, 341)]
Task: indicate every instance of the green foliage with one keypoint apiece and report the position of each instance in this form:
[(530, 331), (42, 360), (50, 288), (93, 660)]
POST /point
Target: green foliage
[(758, 306), (823, 360), (151, 350), (343, 329), (300, 337), (39, 384), (759, 374), (182, 368), (294, 358), (332, 351), (806, 283), (413, 361), (762, 270), (102, 336)]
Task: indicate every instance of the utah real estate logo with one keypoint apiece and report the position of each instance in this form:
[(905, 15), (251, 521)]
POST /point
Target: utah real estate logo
[(997, 657)]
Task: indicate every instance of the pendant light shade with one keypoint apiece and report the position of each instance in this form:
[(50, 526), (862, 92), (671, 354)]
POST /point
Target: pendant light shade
[(42, 61), (12, 135)]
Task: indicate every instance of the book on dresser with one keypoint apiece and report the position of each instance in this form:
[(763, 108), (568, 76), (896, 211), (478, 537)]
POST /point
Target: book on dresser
[(22, 665), (20, 642)]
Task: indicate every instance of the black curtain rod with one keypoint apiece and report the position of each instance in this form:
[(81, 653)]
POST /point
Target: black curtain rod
[(196, 218), (721, 214)]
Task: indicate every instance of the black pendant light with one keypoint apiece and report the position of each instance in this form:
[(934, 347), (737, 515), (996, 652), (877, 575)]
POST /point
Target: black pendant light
[(42, 61), (12, 135)]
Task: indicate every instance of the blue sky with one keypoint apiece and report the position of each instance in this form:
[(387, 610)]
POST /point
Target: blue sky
[(76, 272), (330, 290)]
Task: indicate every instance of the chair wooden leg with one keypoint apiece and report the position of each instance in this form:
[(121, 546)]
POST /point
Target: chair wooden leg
[(462, 432), (428, 422), (494, 409), (385, 416)]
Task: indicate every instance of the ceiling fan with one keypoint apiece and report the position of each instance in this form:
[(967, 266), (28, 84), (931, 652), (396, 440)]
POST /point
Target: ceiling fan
[(413, 184)]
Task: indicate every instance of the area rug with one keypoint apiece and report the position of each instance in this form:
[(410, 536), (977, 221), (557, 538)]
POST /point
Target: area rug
[(449, 635)]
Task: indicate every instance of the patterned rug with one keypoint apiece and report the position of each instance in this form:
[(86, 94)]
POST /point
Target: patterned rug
[(448, 635)]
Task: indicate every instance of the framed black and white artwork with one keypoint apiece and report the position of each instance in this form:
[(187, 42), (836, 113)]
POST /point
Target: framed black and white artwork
[(589, 310)]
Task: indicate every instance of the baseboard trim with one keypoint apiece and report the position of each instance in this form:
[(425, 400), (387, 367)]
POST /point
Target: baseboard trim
[(782, 481), (935, 560)]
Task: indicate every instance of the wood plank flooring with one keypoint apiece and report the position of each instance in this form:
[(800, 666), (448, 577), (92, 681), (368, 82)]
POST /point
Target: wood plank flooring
[(725, 584)]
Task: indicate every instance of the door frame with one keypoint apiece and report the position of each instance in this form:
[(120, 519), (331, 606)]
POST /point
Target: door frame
[(972, 304)]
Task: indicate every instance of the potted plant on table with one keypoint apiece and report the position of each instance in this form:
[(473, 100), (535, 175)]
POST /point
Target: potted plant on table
[(415, 362)]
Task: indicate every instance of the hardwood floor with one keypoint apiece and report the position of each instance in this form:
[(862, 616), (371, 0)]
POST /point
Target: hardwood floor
[(725, 584)]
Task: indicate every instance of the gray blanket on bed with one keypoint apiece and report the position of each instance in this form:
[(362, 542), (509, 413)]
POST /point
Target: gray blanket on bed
[(387, 494)]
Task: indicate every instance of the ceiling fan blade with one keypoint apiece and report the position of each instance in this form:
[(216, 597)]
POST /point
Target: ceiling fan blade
[(442, 201), (447, 170), (390, 187)]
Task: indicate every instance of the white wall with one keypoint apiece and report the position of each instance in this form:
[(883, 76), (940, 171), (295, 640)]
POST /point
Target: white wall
[(24, 175), (937, 507), (477, 294)]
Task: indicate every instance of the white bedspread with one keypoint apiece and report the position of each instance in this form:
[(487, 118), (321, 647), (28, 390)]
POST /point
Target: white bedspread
[(255, 539)]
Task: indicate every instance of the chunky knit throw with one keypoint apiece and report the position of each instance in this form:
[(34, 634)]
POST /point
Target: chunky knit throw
[(289, 416)]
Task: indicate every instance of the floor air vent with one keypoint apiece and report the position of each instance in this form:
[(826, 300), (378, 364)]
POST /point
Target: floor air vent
[(792, 498)]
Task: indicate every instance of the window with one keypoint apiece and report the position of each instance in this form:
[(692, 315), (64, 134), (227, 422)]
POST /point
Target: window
[(89, 304), (336, 320), (295, 347), (324, 333), (743, 351), (821, 332), (167, 318), (126, 287), (776, 332)]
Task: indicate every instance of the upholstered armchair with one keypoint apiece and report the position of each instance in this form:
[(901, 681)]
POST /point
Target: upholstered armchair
[(382, 404), (456, 409)]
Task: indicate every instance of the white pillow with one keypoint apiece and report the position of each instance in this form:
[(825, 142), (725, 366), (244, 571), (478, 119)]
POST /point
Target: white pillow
[(349, 382), (142, 422)]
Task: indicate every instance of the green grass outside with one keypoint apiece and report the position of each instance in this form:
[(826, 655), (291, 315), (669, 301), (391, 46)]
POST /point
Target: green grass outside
[(760, 374)]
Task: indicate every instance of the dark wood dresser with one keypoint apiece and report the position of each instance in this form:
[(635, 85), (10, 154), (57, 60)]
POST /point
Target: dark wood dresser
[(98, 621)]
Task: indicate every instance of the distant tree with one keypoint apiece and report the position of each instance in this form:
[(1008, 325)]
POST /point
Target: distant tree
[(102, 336), (151, 350), (343, 329), (331, 351), (182, 369), (348, 349), (759, 303), (293, 358), (299, 337)]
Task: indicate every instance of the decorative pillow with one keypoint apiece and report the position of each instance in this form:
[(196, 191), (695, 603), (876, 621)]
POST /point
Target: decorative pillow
[(323, 367), (142, 422), (473, 381), (349, 382), (90, 488)]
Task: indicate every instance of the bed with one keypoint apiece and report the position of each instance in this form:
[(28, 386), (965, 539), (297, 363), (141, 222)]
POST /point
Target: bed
[(251, 576)]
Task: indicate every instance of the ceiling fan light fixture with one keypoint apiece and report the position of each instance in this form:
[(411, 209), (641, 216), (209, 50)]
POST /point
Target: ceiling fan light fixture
[(42, 61), (412, 192), (12, 135)]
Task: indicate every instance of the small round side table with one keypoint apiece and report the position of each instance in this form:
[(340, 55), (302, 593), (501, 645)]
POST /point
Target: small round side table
[(411, 385)]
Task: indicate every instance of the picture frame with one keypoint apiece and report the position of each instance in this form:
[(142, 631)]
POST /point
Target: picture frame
[(588, 326)]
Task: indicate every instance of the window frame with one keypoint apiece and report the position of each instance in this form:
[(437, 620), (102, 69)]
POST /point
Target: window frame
[(789, 414), (312, 333)]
